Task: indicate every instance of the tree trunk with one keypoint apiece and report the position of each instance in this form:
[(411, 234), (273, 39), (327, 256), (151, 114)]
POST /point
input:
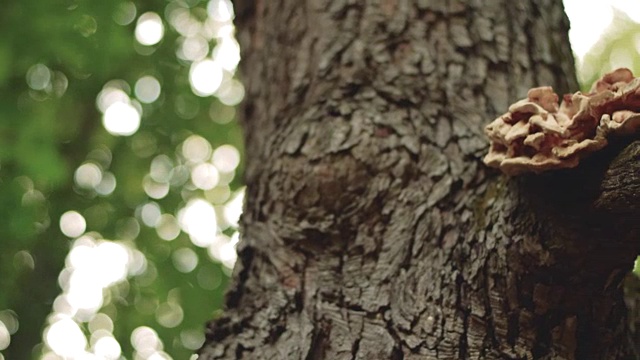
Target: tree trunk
[(371, 228)]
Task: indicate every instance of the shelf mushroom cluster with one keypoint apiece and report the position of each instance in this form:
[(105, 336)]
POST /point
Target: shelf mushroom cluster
[(537, 135)]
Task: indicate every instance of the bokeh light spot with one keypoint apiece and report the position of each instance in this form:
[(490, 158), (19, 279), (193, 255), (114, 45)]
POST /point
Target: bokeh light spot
[(231, 93), (147, 89), (222, 114), (137, 263), (209, 278), (88, 175), (109, 96), (23, 260), (107, 348), (101, 155), (86, 25), (145, 340), (149, 29), (150, 214), (198, 219), (196, 148), (193, 48), (226, 177), (125, 13), (167, 227), (205, 176), (154, 189), (5, 336), (121, 118), (160, 169), (101, 321), (92, 266), (10, 320), (169, 314), (205, 77), (38, 77), (84, 293), (227, 53), (182, 20), (218, 195), (192, 339), (179, 175), (72, 224), (59, 83), (107, 185), (226, 158), (184, 260), (220, 10), (61, 306), (65, 338)]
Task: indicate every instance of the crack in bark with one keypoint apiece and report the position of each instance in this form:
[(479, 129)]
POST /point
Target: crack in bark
[(491, 336)]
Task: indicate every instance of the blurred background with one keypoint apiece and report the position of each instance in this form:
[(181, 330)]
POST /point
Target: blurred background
[(120, 157)]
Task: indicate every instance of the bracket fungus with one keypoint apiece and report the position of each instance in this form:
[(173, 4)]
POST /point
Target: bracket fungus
[(537, 135)]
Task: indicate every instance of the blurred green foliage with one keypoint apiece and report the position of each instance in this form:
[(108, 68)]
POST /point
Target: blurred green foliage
[(618, 47), (49, 129)]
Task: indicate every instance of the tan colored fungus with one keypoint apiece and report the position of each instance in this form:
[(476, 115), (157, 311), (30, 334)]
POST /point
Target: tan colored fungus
[(537, 135)]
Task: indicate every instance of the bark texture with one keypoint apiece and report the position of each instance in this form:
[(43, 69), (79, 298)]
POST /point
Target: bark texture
[(372, 230)]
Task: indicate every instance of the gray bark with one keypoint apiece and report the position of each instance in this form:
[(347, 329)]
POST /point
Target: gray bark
[(371, 228)]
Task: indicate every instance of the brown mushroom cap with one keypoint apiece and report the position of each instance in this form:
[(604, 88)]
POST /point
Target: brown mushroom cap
[(537, 135)]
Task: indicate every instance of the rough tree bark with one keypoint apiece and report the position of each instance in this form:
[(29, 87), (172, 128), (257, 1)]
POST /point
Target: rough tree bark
[(371, 228)]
